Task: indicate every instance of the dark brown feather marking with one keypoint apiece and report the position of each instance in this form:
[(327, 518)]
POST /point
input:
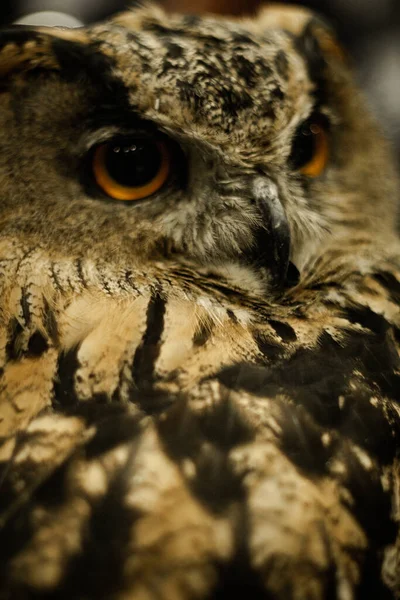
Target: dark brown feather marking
[(148, 350)]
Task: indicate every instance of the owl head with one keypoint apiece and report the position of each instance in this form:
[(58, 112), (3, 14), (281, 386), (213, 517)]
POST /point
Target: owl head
[(242, 146)]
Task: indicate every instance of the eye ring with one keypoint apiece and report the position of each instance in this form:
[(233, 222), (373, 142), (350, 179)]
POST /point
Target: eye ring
[(118, 190), (310, 148)]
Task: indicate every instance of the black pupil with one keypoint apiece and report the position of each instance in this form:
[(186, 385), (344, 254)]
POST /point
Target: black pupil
[(133, 163), (304, 146)]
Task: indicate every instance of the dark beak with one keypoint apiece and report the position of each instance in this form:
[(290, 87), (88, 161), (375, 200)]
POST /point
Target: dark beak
[(270, 250)]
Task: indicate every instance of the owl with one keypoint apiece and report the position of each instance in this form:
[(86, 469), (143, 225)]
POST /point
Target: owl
[(199, 314)]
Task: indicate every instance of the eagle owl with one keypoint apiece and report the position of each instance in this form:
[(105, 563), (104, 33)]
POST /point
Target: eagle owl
[(200, 285)]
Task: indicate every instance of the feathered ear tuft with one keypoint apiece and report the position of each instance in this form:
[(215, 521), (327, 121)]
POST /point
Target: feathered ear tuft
[(311, 31), (25, 48), (142, 12)]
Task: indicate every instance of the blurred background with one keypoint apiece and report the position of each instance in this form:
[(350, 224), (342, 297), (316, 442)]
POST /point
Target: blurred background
[(369, 29)]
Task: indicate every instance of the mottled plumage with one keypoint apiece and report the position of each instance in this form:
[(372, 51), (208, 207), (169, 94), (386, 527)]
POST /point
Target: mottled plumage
[(199, 391)]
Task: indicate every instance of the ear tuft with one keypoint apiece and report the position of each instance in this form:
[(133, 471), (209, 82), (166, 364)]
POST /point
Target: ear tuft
[(327, 41), (24, 48), (302, 23), (134, 19)]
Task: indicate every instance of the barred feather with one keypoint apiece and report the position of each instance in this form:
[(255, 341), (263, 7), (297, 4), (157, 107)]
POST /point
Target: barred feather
[(168, 431)]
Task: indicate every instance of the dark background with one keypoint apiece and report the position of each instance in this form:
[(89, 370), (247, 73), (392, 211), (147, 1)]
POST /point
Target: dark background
[(369, 29)]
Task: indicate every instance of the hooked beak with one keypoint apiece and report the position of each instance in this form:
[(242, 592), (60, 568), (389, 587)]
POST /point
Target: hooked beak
[(271, 247)]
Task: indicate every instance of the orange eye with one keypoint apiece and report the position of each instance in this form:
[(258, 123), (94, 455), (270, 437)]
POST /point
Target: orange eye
[(131, 168), (310, 150)]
